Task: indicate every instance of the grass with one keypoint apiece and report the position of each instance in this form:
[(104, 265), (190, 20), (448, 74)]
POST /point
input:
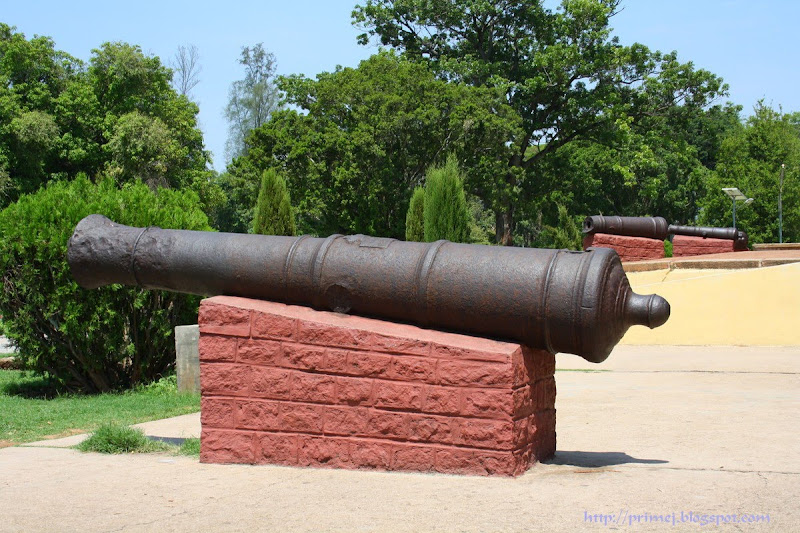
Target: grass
[(115, 438), (31, 410)]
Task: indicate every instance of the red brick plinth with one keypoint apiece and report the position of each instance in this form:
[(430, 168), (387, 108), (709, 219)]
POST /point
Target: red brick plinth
[(683, 246), (289, 385), (627, 248)]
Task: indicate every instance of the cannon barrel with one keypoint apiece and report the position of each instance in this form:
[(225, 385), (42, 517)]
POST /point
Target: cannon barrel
[(738, 236), (649, 227), (558, 300)]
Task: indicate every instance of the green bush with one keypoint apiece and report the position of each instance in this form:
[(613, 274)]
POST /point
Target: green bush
[(446, 213), (273, 212), (415, 218), (89, 340), (667, 248)]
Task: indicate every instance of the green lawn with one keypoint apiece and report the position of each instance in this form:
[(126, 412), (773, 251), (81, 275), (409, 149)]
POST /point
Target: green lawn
[(30, 411)]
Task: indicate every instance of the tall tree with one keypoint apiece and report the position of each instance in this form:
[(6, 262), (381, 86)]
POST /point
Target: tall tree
[(273, 211), (251, 100), (186, 66), (445, 210), (561, 71)]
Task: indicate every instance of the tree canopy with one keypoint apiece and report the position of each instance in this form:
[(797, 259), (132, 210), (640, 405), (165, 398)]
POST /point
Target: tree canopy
[(561, 71), (117, 114), (360, 139)]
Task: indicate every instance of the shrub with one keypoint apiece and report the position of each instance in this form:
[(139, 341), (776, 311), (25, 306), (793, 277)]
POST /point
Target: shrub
[(273, 213), (446, 213), (415, 221), (89, 340), (667, 248)]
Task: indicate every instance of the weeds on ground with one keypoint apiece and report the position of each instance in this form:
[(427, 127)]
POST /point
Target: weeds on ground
[(190, 447), (111, 438), (115, 439)]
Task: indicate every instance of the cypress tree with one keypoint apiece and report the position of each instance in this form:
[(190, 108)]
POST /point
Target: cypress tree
[(415, 221), (273, 213), (446, 214)]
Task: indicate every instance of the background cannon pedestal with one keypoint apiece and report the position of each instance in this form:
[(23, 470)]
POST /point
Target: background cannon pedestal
[(683, 246), (627, 248), (289, 385)]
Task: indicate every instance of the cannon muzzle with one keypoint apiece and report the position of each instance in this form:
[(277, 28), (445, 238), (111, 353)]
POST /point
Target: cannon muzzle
[(558, 300)]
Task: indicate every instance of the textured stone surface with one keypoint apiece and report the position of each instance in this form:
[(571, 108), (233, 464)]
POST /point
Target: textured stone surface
[(293, 386), (628, 248), (683, 246)]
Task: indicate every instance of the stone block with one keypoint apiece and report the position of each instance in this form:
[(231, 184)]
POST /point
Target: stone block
[(292, 386), (187, 357), (627, 248)]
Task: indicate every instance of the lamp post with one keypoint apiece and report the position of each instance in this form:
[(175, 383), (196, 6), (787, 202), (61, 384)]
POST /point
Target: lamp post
[(736, 194), (780, 206)]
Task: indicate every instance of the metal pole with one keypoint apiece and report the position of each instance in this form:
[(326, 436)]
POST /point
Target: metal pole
[(780, 206), (734, 212)]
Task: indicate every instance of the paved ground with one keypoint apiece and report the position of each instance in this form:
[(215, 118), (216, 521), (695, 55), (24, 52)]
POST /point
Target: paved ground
[(732, 260), (657, 431)]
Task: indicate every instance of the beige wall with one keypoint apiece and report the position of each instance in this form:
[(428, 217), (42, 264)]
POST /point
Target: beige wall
[(751, 307)]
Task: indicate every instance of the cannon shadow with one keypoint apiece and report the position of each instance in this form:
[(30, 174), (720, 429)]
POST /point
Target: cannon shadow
[(597, 459)]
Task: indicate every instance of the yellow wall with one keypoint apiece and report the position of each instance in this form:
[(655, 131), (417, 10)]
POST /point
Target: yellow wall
[(756, 306)]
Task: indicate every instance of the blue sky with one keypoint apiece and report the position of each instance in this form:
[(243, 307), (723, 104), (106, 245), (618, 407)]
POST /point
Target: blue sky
[(752, 45)]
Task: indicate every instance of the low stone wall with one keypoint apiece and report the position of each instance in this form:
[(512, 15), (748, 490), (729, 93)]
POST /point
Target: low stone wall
[(628, 248), (293, 386), (683, 246)]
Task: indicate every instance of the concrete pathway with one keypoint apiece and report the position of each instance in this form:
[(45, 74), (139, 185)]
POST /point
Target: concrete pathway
[(653, 433)]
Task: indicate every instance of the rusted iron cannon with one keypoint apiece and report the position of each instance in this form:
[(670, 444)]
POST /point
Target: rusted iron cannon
[(738, 236), (657, 228), (562, 301)]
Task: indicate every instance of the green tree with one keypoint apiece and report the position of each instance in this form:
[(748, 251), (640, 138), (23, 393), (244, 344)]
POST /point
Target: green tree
[(32, 76), (273, 211), (751, 160), (565, 234), (251, 100), (117, 115), (359, 140), (97, 340), (445, 213), (561, 71), (415, 218)]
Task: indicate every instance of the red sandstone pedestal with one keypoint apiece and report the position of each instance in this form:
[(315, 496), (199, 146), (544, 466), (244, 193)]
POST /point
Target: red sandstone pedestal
[(683, 246), (627, 248), (289, 385)]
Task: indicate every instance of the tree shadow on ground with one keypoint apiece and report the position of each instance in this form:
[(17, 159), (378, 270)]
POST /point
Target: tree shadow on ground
[(597, 459), (33, 387)]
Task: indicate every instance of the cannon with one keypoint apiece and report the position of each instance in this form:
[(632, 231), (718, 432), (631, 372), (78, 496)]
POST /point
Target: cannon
[(558, 300), (738, 236), (657, 228)]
